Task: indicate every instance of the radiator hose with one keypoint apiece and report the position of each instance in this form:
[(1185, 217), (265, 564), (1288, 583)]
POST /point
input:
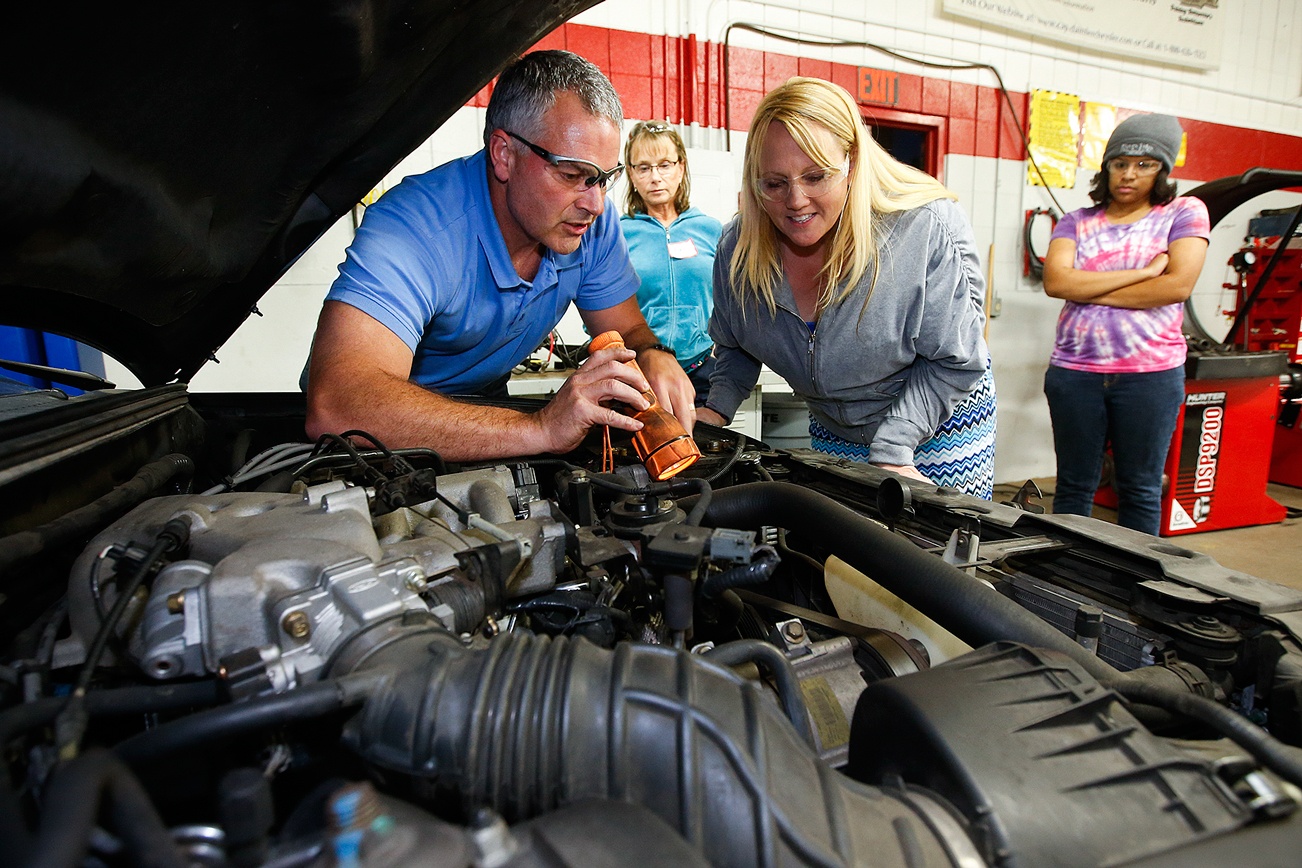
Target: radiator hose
[(950, 597)]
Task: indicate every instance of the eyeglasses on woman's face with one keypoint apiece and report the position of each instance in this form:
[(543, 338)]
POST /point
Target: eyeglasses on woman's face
[(1120, 165), (572, 171), (644, 170), (814, 183)]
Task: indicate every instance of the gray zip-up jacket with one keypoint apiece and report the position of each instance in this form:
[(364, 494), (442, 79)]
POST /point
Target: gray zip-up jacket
[(886, 375)]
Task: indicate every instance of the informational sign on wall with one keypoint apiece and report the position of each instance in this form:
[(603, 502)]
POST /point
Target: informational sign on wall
[(1054, 134), (1181, 32)]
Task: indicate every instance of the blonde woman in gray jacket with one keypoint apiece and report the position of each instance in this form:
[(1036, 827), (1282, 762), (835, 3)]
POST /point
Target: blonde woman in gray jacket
[(856, 279)]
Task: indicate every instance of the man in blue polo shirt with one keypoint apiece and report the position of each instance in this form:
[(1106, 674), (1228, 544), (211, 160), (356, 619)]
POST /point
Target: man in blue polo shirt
[(457, 274)]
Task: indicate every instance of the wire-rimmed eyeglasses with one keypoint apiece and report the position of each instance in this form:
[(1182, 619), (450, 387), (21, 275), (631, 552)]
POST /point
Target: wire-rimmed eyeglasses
[(664, 167)]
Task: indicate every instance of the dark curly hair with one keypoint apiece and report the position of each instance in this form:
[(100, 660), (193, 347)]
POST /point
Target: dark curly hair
[(1163, 192)]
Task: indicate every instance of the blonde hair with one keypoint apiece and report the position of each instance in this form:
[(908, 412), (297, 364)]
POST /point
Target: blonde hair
[(649, 131), (879, 184)]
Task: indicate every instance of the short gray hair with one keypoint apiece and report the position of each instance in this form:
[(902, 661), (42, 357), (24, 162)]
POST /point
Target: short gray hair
[(527, 89)]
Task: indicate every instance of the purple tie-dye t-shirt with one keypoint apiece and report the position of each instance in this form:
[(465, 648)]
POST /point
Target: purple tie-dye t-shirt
[(1114, 340)]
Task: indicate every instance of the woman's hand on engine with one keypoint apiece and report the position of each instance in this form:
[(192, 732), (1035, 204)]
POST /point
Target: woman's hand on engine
[(906, 470)]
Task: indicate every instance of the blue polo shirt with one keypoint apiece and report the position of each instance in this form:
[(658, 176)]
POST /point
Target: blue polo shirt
[(429, 262)]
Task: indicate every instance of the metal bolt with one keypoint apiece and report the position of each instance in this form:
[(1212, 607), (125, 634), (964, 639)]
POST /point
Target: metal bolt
[(794, 631), (1206, 621), (176, 602), (296, 624), (413, 578)]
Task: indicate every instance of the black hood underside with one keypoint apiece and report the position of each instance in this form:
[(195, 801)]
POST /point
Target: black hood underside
[(162, 165)]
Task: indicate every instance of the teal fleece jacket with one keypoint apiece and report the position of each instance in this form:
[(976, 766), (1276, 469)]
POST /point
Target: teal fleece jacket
[(675, 264)]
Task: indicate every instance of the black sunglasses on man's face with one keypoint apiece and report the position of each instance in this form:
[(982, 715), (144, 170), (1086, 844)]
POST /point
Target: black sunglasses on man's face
[(578, 173)]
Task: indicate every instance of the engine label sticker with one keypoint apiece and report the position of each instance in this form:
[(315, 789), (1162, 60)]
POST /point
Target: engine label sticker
[(826, 712), (1200, 452)]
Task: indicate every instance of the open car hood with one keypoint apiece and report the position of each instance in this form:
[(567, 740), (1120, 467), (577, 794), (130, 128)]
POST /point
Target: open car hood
[(162, 166)]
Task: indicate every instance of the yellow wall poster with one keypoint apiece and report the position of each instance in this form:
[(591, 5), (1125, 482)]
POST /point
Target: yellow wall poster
[(1055, 128), (1098, 120)]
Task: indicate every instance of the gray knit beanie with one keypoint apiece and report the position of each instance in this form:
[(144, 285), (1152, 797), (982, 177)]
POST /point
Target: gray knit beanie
[(1146, 136)]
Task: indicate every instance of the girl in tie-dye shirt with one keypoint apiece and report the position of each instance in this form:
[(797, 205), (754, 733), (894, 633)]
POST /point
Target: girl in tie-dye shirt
[(1123, 269), (1094, 336)]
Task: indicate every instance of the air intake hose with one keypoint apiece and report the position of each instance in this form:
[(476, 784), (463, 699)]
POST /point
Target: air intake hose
[(529, 725)]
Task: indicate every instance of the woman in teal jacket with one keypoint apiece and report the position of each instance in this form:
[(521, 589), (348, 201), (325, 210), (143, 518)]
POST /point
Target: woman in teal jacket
[(672, 247)]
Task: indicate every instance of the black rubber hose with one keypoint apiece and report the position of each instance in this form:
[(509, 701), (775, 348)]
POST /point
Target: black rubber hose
[(771, 659), (756, 572), (174, 536), (1034, 261), (216, 725), (77, 791), (1284, 760), (697, 513), (71, 723), (15, 840), (960, 604), (108, 703), (81, 523), (676, 487), (738, 448)]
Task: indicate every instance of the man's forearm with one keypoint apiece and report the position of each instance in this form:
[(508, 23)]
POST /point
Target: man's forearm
[(402, 414), (639, 338)]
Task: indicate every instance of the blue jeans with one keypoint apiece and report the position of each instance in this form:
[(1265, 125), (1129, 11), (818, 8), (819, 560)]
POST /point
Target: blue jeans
[(1136, 413)]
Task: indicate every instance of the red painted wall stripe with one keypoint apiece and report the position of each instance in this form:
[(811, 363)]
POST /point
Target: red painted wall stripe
[(647, 71)]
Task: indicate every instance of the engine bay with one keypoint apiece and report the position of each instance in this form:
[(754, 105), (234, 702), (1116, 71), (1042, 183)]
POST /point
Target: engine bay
[(232, 647)]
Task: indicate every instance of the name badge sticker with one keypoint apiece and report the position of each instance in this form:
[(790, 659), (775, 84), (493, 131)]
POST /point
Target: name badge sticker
[(682, 249)]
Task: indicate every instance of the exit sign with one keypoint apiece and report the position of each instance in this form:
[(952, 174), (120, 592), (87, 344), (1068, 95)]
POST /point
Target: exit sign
[(879, 86)]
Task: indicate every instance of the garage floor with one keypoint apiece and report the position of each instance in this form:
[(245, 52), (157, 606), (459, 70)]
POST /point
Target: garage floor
[(1271, 551)]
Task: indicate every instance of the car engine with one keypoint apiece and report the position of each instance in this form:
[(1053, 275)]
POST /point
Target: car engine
[(336, 652)]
